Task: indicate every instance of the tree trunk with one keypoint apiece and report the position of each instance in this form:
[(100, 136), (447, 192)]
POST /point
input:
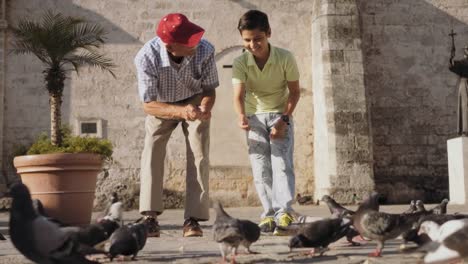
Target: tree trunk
[(55, 78), (55, 119)]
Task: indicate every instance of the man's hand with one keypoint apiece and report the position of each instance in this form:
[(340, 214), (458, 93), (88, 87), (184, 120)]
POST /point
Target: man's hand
[(279, 130), (244, 122), (191, 112)]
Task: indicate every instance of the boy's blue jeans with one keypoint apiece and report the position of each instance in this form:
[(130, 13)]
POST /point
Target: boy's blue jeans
[(272, 164)]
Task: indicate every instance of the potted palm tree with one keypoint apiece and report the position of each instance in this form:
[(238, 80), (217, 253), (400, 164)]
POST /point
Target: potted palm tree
[(61, 171)]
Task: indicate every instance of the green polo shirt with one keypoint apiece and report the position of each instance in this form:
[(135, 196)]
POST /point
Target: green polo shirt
[(267, 89)]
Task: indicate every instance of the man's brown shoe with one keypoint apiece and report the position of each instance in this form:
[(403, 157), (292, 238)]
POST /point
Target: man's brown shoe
[(192, 228), (153, 226)]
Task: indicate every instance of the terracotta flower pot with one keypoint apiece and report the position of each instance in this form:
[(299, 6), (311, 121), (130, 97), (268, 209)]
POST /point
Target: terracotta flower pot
[(64, 182)]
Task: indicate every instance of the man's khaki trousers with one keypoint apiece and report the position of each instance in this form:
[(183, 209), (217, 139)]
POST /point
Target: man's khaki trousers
[(158, 132)]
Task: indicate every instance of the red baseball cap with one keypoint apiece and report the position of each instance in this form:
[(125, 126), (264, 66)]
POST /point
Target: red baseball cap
[(176, 28)]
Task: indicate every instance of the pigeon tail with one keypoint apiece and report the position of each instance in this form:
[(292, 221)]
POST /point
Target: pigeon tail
[(220, 213), (371, 203)]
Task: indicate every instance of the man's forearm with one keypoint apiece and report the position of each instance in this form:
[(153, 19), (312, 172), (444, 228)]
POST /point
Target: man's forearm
[(208, 100), (163, 110)]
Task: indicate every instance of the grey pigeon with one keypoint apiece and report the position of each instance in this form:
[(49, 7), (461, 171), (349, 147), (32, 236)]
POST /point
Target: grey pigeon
[(295, 228), (230, 232), (318, 235), (450, 241), (440, 208), (37, 238), (93, 234), (420, 206), (336, 209), (412, 208), (128, 240), (381, 226)]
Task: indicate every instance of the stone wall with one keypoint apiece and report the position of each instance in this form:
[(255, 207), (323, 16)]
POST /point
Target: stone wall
[(96, 95), (384, 101), (342, 144), (413, 94)]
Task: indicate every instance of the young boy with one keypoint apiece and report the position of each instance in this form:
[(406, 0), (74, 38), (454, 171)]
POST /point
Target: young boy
[(266, 91)]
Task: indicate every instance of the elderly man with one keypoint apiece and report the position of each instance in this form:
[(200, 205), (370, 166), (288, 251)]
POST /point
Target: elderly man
[(177, 78)]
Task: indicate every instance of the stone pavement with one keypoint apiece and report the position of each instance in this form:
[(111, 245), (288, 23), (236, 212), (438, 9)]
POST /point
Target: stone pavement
[(171, 247)]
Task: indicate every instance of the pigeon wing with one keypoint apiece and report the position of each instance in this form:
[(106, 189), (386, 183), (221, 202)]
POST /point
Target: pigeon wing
[(139, 232), (318, 233), (250, 230), (228, 231), (379, 224), (47, 236)]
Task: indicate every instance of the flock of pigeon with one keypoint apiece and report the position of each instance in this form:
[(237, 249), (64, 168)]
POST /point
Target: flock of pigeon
[(45, 240), (442, 237)]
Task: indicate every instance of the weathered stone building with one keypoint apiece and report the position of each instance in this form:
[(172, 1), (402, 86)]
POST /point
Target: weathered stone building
[(378, 102)]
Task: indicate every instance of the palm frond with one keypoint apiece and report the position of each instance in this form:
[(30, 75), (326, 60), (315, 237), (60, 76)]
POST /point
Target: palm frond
[(90, 58), (56, 39), (87, 35), (29, 39)]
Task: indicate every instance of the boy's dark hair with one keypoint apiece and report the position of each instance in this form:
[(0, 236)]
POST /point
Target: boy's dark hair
[(254, 19)]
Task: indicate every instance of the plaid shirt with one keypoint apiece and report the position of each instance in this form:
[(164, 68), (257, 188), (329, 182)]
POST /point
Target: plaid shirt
[(159, 81)]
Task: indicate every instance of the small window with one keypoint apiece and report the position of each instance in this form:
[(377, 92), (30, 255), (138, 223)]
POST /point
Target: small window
[(90, 128)]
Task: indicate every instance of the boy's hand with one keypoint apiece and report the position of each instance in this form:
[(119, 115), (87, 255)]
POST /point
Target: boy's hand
[(244, 122), (204, 114), (279, 130)]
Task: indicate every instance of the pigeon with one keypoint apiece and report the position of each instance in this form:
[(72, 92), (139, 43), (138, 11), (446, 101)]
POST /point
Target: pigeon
[(440, 208), (303, 200), (450, 241), (412, 208), (318, 235), (421, 239), (335, 208), (115, 213), (114, 199), (420, 206), (94, 234), (339, 211), (37, 238), (128, 240), (381, 226), (230, 232)]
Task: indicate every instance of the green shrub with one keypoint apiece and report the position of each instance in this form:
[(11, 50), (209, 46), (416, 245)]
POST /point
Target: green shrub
[(71, 144)]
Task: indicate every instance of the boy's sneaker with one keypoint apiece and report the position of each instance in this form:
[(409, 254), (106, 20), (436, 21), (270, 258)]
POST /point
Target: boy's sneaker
[(283, 221), (192, 228), (153, 226), (267, 225)]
